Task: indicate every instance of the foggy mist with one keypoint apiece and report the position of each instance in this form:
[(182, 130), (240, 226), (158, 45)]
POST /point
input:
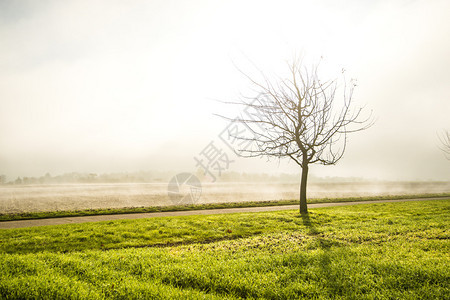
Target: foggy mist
[(69, 197), (101, 86)]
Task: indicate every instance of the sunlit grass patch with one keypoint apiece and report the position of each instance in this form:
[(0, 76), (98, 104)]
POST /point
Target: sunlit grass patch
[(379, 251)]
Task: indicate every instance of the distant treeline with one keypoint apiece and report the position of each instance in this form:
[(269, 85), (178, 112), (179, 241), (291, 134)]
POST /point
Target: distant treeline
[(147, 177), (75, 177)]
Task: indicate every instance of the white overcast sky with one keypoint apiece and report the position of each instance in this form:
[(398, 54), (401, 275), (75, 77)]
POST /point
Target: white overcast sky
[(107, 86)]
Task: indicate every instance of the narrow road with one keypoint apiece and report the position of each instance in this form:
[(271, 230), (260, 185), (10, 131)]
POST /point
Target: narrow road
[(85, 219)]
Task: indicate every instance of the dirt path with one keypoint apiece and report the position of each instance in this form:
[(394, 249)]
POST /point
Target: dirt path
[(76, 220)]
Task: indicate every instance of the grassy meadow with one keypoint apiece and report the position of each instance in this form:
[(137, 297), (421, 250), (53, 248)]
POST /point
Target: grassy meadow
[(370, 251)]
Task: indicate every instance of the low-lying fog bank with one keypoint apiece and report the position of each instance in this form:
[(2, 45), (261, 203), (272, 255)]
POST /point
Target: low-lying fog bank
[(27, 198)]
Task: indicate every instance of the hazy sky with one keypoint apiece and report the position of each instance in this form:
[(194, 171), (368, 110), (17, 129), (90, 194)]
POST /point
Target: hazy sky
[(107, 86)]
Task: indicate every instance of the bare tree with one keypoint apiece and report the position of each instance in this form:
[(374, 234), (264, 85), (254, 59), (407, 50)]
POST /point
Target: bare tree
[(300, 117), (445, 143)]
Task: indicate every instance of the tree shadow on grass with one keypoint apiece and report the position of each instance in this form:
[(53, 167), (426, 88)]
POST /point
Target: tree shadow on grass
[(319, 240), (324, 261), (310, 224)]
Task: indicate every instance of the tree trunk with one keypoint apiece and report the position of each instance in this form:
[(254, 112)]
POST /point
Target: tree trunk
[(303, 204)]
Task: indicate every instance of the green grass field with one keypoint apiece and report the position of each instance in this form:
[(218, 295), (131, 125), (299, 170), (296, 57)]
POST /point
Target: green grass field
[(371, 251)]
